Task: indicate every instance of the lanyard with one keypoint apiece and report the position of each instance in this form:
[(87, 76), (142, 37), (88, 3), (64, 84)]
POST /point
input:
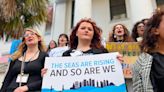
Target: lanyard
[(23, 64), (22, 70)]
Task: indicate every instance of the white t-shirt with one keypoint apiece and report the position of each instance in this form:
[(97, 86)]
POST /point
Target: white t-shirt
[(103, 42), (139, 39), (58, 52)]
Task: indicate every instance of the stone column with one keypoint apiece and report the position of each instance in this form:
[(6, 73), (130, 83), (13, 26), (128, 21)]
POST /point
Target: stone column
[(58, 20), (140, 9), (83, 8)]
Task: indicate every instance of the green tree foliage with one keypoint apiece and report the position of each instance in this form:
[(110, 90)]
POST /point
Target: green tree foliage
[(15, 15)]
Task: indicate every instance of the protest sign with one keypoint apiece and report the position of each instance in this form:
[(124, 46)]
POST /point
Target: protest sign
[(92, 73), (130, 52)]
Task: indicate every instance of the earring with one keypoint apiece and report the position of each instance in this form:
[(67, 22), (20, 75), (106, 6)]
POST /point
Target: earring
[(115, 36)]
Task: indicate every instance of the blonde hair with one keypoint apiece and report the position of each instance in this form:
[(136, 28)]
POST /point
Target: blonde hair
[(22, 47)]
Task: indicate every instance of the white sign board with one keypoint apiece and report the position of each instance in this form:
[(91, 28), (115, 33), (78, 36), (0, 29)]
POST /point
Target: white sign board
[(93, 73)]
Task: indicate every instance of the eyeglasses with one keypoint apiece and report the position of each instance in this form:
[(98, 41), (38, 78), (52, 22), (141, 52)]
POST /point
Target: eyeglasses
[(30, 34)]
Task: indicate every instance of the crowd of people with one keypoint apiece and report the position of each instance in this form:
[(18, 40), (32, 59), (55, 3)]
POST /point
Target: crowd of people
[(26, 68)]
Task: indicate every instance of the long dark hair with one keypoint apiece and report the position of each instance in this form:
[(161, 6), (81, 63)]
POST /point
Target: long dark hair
[(134, 30), (150, 40), (49, 48), (66, 36)]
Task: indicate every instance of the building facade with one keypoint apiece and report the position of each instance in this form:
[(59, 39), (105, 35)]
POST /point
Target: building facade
[(64, 14), (106, 13)]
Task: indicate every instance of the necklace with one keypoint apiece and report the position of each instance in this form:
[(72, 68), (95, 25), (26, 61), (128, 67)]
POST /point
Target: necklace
[(31, 57)]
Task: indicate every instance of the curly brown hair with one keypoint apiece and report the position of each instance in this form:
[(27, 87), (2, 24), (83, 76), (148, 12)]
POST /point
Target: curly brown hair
[(150, 40), (96, 40), (127, 37)]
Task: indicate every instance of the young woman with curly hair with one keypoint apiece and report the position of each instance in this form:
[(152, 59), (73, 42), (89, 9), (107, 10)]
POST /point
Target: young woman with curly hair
[(148, 71), (119, 34)]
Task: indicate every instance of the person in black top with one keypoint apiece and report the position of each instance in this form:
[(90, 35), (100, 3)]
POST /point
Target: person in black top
[(24, 73), (85, 39), (148, 70)]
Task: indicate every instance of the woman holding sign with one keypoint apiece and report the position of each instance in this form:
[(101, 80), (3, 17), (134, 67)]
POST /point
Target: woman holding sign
[(24, 73), (85, 39), (148, 71)]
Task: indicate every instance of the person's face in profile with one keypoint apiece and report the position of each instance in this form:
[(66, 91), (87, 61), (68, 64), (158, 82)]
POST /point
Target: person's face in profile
[(160, 30)]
